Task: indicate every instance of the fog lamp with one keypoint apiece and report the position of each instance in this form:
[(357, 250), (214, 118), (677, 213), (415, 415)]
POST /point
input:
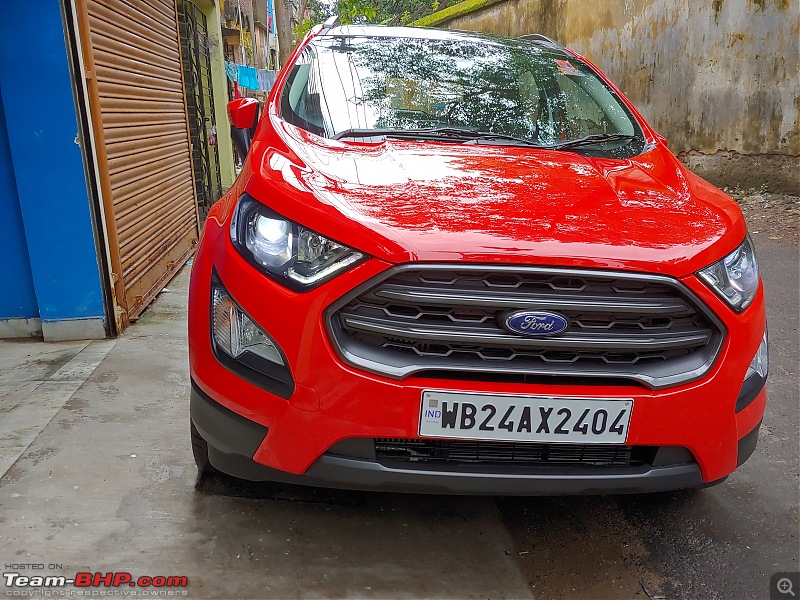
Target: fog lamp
[(236, 334), (760, 363)]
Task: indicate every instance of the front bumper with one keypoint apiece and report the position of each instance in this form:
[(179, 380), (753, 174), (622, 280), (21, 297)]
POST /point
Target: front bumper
[(233, 440), (332, 401)]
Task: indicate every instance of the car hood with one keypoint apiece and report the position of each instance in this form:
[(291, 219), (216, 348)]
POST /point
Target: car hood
[(430, 201)]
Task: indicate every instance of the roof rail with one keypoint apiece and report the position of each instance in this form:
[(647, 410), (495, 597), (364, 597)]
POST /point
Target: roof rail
[(331, 22), (538, 37)]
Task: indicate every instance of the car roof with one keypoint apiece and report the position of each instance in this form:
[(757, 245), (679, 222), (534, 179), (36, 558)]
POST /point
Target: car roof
[(429, 33)]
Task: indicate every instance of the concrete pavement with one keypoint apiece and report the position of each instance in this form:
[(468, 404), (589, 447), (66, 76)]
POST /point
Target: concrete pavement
[(109, 485), (36, 379), (102, 479), (722, 542)]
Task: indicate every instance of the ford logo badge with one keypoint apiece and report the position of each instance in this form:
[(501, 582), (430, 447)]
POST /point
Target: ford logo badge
[(535, 322)]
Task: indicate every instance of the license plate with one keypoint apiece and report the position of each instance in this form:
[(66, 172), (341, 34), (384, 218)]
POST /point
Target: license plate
[(524, 418)]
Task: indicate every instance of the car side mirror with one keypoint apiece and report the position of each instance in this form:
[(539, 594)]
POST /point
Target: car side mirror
[(243, 115), (662, 139)]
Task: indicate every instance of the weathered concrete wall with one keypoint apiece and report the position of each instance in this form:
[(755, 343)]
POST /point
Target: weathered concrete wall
[(719, 78)]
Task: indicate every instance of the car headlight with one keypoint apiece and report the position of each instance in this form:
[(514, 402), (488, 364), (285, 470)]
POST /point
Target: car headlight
[(735, 277), (287, 251)]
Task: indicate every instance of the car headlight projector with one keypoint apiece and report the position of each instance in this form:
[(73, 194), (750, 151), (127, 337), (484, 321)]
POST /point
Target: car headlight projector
[(294, 255)]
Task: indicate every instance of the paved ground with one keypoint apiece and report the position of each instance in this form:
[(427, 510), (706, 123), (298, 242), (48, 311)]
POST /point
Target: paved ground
[(722, 542), (99, 477)]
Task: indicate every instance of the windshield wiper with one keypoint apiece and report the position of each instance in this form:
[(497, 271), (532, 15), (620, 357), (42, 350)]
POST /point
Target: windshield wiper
[(479, 136), (589, 140), (435, 133), (366, 133)]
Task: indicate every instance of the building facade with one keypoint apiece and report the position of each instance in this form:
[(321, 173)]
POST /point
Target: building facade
[(99, 175), (718, 79)]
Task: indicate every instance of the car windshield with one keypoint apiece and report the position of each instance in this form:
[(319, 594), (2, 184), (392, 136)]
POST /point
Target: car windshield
[(395, 86)]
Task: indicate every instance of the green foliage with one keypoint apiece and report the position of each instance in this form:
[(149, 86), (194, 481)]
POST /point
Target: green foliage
[(356, 11), (349, 11), (387, 12), (301, 29), (739, 193), (320, 10), (402, 12), (451, 12)]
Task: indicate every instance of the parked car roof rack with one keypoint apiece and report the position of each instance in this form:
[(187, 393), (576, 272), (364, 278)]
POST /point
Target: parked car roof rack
[(331, 22), (538, 37)]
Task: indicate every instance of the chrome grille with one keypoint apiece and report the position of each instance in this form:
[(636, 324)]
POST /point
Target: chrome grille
[(419, 451), (423, 320)]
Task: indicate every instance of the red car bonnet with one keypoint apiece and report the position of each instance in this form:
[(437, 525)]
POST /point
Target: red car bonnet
[(435, 201)]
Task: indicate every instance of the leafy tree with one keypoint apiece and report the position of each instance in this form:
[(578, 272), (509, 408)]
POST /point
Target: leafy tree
[(403, 12), (349, 11), (320, 9), (386, 12), (356, 11)]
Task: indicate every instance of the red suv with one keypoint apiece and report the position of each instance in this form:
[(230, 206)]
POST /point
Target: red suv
[(462, 263)]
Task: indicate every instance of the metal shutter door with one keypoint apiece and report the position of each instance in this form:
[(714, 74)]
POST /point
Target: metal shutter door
[(132, 56)]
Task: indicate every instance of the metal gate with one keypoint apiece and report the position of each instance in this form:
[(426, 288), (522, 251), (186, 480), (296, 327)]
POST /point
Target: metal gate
[(132, 61), (200, 105)]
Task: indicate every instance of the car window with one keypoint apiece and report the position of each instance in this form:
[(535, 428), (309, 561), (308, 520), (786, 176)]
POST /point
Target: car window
[(514, 88), (589, 108)]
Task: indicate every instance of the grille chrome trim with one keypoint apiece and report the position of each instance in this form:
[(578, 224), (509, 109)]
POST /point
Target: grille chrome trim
[(706, 333), (490, 336), (532, 301)]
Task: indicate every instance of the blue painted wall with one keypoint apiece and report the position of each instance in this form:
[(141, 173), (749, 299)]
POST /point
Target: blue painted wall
[(48, 166), (18, 300)]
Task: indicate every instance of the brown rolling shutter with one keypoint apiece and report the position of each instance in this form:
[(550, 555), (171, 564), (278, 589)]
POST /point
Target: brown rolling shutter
[(132, 56)]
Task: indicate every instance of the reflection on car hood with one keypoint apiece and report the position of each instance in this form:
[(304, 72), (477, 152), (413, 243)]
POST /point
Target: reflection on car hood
[(430, 201)]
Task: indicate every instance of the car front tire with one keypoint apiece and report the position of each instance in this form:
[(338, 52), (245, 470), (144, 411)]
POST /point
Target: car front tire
[(200, 451)]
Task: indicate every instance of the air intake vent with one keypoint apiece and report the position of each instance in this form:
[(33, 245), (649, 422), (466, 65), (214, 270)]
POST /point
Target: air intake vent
[(446, 452)]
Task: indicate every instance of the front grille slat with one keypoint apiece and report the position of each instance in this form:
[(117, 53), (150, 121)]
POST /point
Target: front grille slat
[(641, 306), (452, 452), (493, 336), (420, 319)]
